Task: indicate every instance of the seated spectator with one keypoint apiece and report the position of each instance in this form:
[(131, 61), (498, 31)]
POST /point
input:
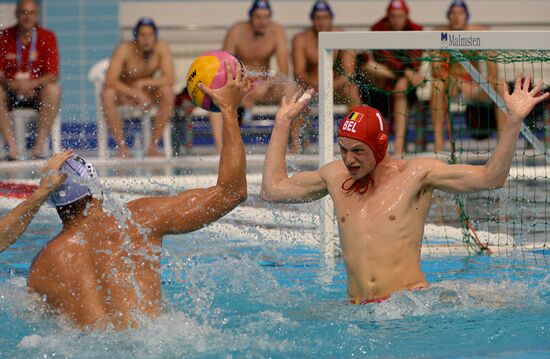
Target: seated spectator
[(141, 73), (29, 70), (16, 221), (254, 42), (397, 71), (305, 60), (450, 79), (305, 57)]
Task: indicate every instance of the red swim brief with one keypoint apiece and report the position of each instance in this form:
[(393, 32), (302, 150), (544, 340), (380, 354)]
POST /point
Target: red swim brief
[(368, 301)]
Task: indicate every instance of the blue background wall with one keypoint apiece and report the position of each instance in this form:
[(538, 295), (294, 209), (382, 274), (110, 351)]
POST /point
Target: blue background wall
[(87, 31)]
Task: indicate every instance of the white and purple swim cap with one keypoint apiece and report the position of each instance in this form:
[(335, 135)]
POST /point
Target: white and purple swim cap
[(80, 182)]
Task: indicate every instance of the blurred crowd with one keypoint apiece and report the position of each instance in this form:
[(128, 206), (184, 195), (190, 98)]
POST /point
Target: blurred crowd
[(141, 74)]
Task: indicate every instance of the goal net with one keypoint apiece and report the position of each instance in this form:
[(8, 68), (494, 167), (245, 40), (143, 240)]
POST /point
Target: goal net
[(454, 108)]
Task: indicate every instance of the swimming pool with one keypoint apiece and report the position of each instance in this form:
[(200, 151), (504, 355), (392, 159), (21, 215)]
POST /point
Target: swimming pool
[(255, 284), (243, 297)]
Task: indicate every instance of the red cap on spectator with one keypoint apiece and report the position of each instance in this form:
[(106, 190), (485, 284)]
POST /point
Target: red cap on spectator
[(398, 5)]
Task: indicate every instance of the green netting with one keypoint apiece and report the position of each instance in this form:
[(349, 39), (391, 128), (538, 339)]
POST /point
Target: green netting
[(510, 219)]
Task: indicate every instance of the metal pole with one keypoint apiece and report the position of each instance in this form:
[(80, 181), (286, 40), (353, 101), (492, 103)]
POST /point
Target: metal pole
[(326, 145)]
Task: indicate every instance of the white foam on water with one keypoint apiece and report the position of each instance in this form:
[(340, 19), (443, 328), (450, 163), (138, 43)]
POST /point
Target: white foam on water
[(456, 295), (173, 334)]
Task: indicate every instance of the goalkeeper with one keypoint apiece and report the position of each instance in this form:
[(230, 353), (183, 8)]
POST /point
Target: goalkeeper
[(382, 203)]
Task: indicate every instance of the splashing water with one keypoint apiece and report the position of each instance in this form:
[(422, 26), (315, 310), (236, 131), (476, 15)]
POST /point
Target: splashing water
[(236, 298)]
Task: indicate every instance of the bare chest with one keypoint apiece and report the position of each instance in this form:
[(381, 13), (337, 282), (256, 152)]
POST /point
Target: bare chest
[(136, 67), (359, 211), (312, 55), (256, 51), (392, 206), (311, 52)]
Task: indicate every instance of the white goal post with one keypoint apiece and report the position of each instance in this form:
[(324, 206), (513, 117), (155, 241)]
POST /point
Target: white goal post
[(407, 40)]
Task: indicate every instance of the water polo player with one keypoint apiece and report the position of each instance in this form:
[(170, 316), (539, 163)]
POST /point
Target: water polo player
[(103, 269), (381, 203)]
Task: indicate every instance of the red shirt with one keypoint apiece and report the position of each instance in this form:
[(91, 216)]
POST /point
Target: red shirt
[(397, 60), (45, 59)]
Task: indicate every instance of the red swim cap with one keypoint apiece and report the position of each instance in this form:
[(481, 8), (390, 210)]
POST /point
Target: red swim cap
[(397, 5), (366, 124)]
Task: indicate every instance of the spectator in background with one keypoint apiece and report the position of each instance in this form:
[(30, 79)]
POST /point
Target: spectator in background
[(16, 221), (305, 57), (29, 70), (141, 73), (397, 71), (450, 79), (255, 42)]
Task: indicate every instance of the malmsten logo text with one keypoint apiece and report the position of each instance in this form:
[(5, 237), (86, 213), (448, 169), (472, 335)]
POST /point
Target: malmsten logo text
[(458, 40)]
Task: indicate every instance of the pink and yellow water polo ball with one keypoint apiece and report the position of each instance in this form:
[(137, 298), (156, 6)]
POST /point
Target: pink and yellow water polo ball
[(209, 68)]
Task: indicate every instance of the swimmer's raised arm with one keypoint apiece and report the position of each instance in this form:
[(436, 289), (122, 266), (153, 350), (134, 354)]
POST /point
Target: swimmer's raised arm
[(466, 178), (276, 185), (13, 224), (193, 209)]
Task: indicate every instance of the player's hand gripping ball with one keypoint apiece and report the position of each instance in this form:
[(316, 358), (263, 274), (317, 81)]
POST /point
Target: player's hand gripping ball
[(209, 68)]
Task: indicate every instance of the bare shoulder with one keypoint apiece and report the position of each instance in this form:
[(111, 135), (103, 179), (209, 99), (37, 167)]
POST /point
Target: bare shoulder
[(163, 45), (144, 210), (420, 164), (123, 49), (125, 46), (238, 28), (164, 48), (278, 29), (300, 36), (303, 37), (332, 169)]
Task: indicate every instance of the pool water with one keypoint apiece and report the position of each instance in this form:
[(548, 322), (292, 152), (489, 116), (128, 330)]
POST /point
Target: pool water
[(226, 297)]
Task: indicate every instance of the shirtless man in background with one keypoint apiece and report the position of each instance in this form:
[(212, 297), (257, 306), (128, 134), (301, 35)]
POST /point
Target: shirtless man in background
[(103, 269), (254, 42), (381, 203), (132, 79), (305, 57), (450, 79)]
